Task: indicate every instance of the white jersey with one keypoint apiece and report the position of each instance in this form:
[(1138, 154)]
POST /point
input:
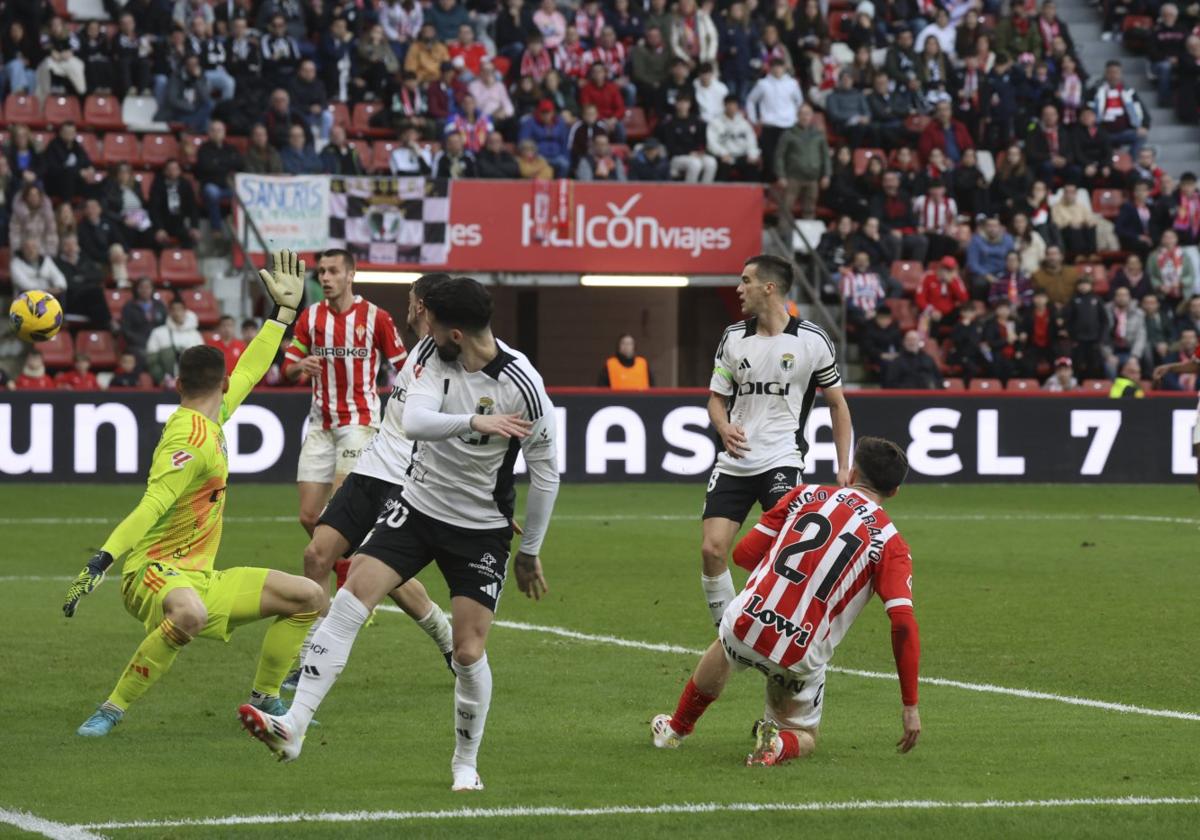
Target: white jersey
[(389, 453), (771, 382), (467, 480)]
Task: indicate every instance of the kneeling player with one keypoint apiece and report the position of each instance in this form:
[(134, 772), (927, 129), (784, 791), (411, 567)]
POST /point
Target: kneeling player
[(168, 582), (816, 557)]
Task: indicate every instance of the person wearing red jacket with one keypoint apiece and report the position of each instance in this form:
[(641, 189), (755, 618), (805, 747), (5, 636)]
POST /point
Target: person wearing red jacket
[(607, 98), (945, 133), (942, 292), (33, 375), (80, 378)]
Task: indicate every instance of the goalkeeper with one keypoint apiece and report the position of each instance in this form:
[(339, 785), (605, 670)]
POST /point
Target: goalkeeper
[(170, 540)]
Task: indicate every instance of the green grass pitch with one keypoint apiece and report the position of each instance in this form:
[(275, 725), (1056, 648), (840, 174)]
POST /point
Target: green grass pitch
[(1087, 591)]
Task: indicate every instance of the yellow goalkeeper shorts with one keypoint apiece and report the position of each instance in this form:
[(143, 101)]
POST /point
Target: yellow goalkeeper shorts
[(231, 597)]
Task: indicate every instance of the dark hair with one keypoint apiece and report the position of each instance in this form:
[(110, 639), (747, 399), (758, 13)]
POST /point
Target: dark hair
[(882, 463), (201, 370), (251, 323), (773, 268), (732, 98), (1112, 63), (347, 257), (705, 67), (225, 318), (460, 303), (426, 282)]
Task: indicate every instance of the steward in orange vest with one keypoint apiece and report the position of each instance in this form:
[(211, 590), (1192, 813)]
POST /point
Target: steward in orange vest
[(626, 371)]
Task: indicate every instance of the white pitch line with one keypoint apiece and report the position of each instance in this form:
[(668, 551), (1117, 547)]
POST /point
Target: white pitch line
[(34, 824), (653, 810), (985, 688)]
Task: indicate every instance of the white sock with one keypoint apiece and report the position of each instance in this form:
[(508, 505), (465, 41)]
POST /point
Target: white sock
[(327, 655), (472, 698), (718, 591), (437, 627), (312, 631)]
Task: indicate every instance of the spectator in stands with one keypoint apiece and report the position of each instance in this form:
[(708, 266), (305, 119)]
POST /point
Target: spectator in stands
[(1076, 223), (881, 341), (650, 162), (127, 374), (773, 105), (339, 157), (186, 98), (848, 113), (912, 369), (169, 55), (84, 285), (968, 349), (142, 314), (625, 21), (307, 95), (405, 103), (1166, 49), (1126, 332), (937, 220), (168, 340), (408, 157), (709, 93), (548, 130), (941, 29), (130, 57), (61, 72), (607, 97), (213, 55), (1137, 223), (1011, 284), (173, 209), (1036, 206), (1145, 168), (589, 20), (649, 66), (1172, 274), (1185, 353), (1087, 325), (1187, 102), (455, 160), (862, 290), (1063, 378), (1181, 210), (1057, 280), (227, 342), (514, 24), (600, 164), (25, 160), (122, 201), (377, 62), (336, 56), (968, 186), (79, 378), (888, 112), (280, 50), (625, 370), (34, 271), (945, 133), (1189, 318), (494, 161), (471, 124), (678, 84), (100, 238), (444, 95), (987, 256), (298, 157), (693, 34), (530, 164), (731, 140), (280, 118), (491, 97), (1093, 148), (1127, 384), (835, 248), (802, 164), (1120, 111), (941, 292), (33, 375), (1132, 275), (1050, 147), (683, 135), (261, 157), (1001, 348), (1040, 331), (427, 55), (447, 17), (882, 248), (33, 218), (69, 171), (21, 55), (186, 10), (551, 24), (1028, 242), (401, 21), (216, 163), (466, 53)]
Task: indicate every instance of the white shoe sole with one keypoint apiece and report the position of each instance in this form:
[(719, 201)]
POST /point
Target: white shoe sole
[(266, 729), (665, 738)]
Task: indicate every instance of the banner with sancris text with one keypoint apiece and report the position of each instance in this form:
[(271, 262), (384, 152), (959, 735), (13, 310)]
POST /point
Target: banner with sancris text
[(578, 227), (601, 436)]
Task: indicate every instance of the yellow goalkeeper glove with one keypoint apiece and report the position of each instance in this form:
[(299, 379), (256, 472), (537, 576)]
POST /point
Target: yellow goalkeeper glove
[(285, 284), (87, 580)]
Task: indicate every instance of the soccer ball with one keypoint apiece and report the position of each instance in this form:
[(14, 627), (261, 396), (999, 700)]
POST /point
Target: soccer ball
[(35, 316)]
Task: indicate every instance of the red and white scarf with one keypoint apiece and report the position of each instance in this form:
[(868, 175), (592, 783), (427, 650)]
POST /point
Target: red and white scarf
[(1049, 31), (1170, 269)]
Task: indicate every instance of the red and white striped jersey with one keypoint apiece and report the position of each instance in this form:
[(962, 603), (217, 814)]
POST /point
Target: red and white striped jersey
[(817, 557), (350, 344), (933, 215)]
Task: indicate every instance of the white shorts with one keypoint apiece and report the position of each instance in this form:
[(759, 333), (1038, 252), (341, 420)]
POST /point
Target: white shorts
[(329, 452), (793, 699)]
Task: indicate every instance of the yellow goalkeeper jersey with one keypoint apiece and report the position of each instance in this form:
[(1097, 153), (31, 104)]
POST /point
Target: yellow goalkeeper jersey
[(178, 521)]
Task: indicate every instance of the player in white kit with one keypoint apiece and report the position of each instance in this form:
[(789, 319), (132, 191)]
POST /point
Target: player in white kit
[(473, 407), (765, 377), (378, 472), (1191, 365)]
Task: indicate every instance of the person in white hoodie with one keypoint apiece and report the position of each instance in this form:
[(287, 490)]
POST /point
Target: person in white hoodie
[(773, 104), (169, 340), (941, 29), (710, 93), (731, 140)]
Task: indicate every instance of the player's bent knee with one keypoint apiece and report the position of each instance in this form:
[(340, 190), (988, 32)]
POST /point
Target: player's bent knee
[(309, 520), (310, 596), (188, 617), (468, 652), (317, 563)]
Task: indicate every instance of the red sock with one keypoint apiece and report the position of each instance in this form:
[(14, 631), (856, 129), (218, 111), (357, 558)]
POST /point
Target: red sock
[(692, 703), (791, 746), (341, 568)]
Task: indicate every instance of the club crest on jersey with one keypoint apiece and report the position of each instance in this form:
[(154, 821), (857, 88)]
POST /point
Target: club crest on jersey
[(360, 331), (787, 362), (180, 458), (486, 405), (784, 626)]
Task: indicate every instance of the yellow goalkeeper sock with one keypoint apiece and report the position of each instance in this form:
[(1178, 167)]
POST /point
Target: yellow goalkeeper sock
[(279, 649), (151, 660)]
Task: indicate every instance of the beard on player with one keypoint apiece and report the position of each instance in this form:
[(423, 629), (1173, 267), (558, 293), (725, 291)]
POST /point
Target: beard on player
[(449, 351)]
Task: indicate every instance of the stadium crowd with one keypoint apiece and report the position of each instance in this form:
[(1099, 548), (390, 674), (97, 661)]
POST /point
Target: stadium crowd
[(994, 207)]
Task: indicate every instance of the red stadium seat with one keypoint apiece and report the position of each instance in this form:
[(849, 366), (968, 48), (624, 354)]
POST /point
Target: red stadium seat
[(22, 108), (103, 113), (145, 181), (637, 127), (861, 156), (365, 153), (178, 267), (142, 264), (98, 346), (502, 65), (1022, 385), (5, 267), (840, 24), (116, 300), (1099, 277), (341, 115), (1096, 386), (1137, 22), (204, 304), (157, 149), (916, 123), (360, 125), (381, 155), (60, 109), (59, 352), (904, 311), (121, 147), (91, 145), (1122, 162), (934, 350), (163, 296), (953, 383), (1108, 202), (985, 385), (908, 274)]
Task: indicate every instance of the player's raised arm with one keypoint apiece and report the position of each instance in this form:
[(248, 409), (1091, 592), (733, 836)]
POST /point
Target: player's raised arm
[(753, 547), (895, 590), (285, 285)]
